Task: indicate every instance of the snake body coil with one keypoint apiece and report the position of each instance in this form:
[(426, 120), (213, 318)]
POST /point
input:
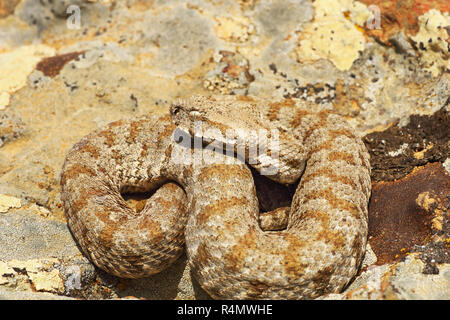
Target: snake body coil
[(213, 205)]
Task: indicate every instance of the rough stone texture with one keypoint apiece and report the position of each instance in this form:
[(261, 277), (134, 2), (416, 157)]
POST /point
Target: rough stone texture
[(131, 58), (399, 281), (6, 294)]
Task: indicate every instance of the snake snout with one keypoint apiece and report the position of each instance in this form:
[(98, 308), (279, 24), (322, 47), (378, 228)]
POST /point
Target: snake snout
[(194, 115)]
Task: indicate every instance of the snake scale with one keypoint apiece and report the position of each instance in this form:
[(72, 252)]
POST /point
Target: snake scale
[(211, 207)]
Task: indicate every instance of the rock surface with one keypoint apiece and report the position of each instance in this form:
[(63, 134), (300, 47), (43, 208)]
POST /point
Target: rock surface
[(68, 67)]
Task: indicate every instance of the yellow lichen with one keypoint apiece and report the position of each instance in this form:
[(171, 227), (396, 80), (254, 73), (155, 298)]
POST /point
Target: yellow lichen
[(236, 29), (16, 65), (334, 33), (7, 202), (432, 41), (48, 281)]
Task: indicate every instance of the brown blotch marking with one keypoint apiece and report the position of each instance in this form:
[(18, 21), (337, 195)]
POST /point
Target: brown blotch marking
[(322, 279), (168, 152), (153, 228), (168, 200), (335, 202), (164, 205), (326, 233), (82, 200), (292, 263), (219, 206), (273, 112), (236, 258), (187, 172), (102, 170), (117, 123), (105, 238), (7, 7), (75, 170), (336, 239), (341, 132), (134, 129), (245, 98), (105, 210), (222, 128), (165, 118), (202, 257), (110, 137), (323, 146), (223, 172), (347, 157), (321, 123), (79, 204), (144, 151), (101, 212), (51, 66), (89, 148), (321, 216), (299, 116), (107, 234), (333, 177), (294, 162), (275, 107), (167, 131), (117, 155)]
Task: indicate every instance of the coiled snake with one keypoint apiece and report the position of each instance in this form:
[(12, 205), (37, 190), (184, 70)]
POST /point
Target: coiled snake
[(211, 205)]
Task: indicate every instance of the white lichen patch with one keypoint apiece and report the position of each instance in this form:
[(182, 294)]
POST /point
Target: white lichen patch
[(8, 202), (335, 33), (235, 29), (399, 151), (446, 165), (403, 280), (432, 40), (16, 65)]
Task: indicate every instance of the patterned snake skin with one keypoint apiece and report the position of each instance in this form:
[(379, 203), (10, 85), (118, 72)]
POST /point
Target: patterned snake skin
[(208, 198)]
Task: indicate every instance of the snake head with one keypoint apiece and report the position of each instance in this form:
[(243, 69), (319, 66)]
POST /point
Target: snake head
[(184, 114), (215, 113)]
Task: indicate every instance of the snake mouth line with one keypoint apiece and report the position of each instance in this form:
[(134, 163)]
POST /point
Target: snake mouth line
[(258, 150), (190, 141)]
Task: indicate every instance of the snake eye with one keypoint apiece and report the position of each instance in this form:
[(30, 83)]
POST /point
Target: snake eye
[(175, 110)]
